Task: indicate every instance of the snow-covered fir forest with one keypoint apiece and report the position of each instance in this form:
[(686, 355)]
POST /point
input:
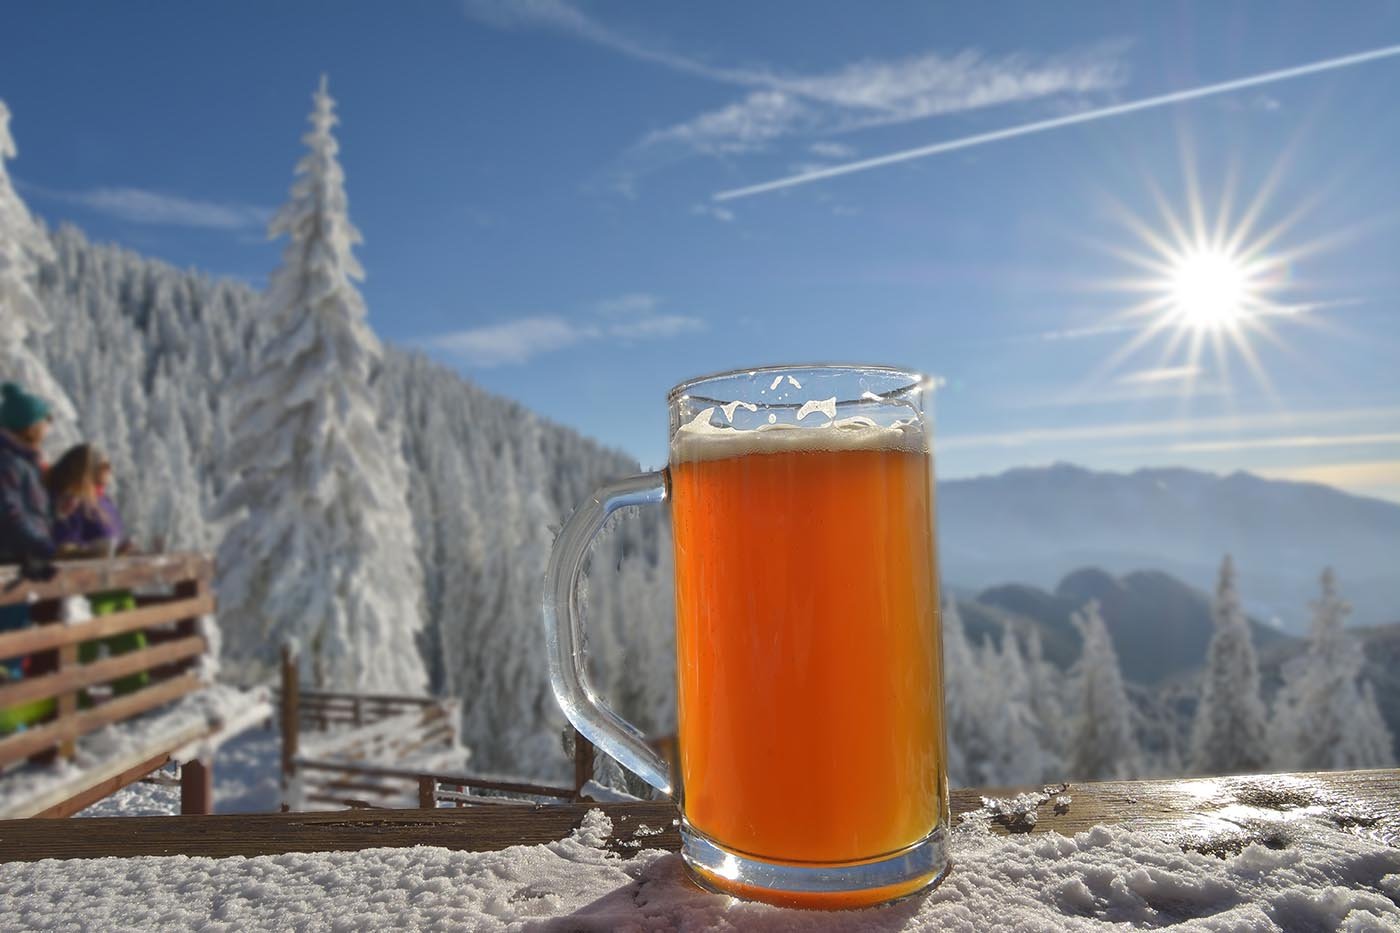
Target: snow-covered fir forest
[(394, 520)]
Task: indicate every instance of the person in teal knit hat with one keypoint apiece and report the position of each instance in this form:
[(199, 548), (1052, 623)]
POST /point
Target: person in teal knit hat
[(26, 526)]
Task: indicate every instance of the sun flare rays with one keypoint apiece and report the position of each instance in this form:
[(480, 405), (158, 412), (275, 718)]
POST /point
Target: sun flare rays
[(1213, 283)]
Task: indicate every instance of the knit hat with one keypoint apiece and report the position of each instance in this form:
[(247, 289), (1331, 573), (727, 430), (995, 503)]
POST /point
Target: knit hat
[(20, 410)]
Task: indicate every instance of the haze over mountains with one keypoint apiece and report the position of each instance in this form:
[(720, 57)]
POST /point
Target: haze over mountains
[(1035, 525)]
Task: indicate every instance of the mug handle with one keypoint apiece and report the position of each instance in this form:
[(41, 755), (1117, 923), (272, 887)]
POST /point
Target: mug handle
[(563, 629)]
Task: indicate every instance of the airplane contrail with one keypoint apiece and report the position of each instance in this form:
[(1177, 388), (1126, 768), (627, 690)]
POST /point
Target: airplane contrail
[(1041, 126)]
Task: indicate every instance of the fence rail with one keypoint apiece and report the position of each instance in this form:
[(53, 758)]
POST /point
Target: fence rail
[(1201, 814)]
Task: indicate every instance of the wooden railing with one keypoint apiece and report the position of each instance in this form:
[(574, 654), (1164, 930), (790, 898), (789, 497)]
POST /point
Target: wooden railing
[(1200, 814), (171, 592), (356, 770), (335, 745)]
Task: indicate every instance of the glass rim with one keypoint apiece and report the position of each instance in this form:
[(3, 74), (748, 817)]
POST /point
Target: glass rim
[(916, 379)]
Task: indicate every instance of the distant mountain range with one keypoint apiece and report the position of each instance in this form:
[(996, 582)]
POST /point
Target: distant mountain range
[(1161, 629), (1160, 626), (1035, 525)]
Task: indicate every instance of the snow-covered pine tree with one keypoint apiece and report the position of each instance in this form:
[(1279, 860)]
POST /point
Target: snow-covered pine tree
[(23, 317), (1324, 718), (1104, 745), (1046, 690), (1230, 733), (1015, 753), (960, 685), (323, 549)]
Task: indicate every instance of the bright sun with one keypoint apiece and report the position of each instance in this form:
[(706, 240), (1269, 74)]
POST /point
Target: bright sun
[(1210, 290), (1212, 283)]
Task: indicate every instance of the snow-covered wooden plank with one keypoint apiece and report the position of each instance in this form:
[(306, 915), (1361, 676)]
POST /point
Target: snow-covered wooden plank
[(80, 577), (88, 785), (1209, 814)]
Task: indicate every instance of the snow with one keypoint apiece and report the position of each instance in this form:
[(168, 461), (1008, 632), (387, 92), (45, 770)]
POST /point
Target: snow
[(246, 770), (604, 794), (184, 721), (1323, 879)]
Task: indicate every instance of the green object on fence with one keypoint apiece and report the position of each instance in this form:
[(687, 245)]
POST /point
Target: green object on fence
[(105, 604), (24, 715)]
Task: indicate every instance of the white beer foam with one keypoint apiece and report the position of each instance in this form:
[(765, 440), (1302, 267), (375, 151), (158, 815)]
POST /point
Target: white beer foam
[(701, 439)]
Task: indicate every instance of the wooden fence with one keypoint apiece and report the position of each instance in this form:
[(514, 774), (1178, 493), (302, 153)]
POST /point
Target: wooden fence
[(171, 593), (335, 745), (332, 752)]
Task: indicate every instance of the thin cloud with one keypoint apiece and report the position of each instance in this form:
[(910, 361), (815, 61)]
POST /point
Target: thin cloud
[(1160, 374), (1282, 442), (143, 206), (656, 326), (1174, 428), (1072, 119), (828, 149), (1373, 477), (722, 214), (860, 94), (563, 17), (512, 342), (629, 317), (629, 304), (879, 93)]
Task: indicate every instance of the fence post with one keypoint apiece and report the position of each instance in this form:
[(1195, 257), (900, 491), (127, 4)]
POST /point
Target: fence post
[(427, 792), (55, 662), (291, 721), (583, 762), (196, 788)]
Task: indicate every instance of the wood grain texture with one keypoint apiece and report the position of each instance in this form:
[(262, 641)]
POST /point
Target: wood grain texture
[(1210, 814)]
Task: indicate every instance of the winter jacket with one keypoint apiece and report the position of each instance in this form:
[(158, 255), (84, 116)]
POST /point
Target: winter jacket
[(25, 527), (86, 524)]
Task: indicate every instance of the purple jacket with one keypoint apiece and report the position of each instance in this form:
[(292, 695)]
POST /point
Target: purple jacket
[(24, 505), (89, 525)]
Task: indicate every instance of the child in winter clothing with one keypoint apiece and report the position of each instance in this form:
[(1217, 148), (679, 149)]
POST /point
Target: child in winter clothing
[(86, 524), (85, 520), (26, 534)]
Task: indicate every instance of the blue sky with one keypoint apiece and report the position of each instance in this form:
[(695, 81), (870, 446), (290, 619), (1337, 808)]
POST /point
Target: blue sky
[(535, 184)]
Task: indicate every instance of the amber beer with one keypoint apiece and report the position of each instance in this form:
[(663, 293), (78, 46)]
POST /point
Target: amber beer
[(808, 642)]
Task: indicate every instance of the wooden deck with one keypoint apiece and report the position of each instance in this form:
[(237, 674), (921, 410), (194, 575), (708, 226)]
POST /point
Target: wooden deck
[(1217, 815)]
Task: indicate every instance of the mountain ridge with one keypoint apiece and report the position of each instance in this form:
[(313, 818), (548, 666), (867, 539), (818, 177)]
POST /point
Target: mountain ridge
[(1036, 524)]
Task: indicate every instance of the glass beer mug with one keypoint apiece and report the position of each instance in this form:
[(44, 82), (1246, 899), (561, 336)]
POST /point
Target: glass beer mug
[(812, 765)]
